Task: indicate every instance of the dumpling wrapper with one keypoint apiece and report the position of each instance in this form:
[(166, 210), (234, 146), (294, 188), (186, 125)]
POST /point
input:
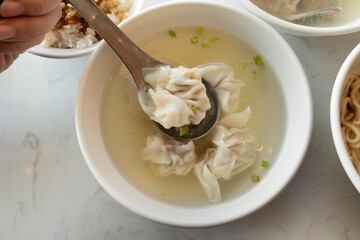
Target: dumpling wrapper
[(169, 156), (221, 77), (235, 151), (207, 179), (237, 119), (177, 98)]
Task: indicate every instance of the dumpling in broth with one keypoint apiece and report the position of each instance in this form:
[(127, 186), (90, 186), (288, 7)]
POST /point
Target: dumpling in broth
[(179, 97), (221, 77), (166, 108), (234, 146), (169, 156), (235, 152)]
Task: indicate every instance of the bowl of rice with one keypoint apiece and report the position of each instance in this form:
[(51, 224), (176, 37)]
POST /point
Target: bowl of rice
[(73, 37), (345, 116)]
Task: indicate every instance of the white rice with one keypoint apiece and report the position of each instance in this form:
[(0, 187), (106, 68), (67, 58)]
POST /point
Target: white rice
[(73, 35)]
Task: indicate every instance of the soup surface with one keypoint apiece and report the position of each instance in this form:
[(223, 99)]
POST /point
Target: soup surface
[(291, 10), (125, 126)]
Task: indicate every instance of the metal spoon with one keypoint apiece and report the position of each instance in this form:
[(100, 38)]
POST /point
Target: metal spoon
[(135, 60)]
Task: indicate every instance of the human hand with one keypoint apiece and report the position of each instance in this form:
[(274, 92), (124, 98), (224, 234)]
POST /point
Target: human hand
[(24, 25)]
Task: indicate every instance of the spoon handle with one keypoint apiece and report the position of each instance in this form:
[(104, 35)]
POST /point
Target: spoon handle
[(132, 56)]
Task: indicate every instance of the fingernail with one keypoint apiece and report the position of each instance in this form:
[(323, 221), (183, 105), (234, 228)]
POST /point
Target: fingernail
[(7, 31), (11, 9)]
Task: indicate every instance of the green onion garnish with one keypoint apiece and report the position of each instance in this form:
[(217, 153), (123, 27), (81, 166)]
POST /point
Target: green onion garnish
[(264, 163), (205, 45), (194, 40), (242, 66), (214, 39), (258, 60), (172, 34), (255, 178), (183, 130), (254, 73), (192, 106), (199, 31)]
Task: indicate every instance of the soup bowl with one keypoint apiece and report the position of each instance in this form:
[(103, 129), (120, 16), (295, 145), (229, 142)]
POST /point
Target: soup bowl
[(348, 70), (292, 82), (52, 52), (301, 30)]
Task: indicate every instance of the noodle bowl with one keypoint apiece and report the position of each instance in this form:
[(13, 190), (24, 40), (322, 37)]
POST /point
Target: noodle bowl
[(350, 120), (345, 116)]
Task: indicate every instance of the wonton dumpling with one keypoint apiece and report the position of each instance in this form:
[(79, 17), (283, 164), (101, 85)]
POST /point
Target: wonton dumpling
[(242, 145), (170, 110), (169, 156), (158, 76), (221, 77), (235, 152), (237, 119), (207, 179), (187, 85), (177, 98)]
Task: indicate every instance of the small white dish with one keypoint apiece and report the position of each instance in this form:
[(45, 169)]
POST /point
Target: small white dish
[(72, 53), (301, 30), (350, 66), (293, 84)]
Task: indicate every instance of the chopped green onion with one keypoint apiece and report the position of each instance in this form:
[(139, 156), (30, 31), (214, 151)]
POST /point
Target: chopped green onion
[(183, 130), (249, 64), (205, 45), (242, 66), (258, 60), (192, 106), (255, 178), (194, 40), (214, 39), (172, 34), (254, 73), (264, 163), (199, 31)]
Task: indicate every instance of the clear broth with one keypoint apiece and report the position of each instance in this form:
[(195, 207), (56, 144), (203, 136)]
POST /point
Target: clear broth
[(125, 126)]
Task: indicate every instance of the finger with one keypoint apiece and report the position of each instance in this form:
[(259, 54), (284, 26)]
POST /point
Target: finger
[(14, 8), (6, 60), (27, 28), (19, 47)]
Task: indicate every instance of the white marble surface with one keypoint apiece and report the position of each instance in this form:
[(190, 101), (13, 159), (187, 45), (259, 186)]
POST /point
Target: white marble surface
[(47, 191)]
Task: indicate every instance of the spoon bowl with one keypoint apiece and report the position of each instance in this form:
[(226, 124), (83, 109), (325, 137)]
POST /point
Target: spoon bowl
[(136, 60)]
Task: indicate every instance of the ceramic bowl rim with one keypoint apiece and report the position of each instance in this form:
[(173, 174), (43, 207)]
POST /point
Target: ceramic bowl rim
[(340, 81)]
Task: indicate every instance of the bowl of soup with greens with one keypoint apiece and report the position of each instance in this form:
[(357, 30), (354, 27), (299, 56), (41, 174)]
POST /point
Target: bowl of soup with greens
[(308, 17), (251, 154)]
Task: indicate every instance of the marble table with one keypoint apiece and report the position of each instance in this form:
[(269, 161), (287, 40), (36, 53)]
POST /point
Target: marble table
[(48, 192)]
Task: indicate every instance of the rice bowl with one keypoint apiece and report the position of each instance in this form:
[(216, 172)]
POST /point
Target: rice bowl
[(72, 36)]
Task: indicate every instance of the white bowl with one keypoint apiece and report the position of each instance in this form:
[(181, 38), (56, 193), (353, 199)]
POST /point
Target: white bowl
[(300, 30), (292, 81), (72, 53), (350, 66)]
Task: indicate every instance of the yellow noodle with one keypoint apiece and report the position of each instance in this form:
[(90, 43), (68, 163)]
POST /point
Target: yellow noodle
[(350, 119)]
